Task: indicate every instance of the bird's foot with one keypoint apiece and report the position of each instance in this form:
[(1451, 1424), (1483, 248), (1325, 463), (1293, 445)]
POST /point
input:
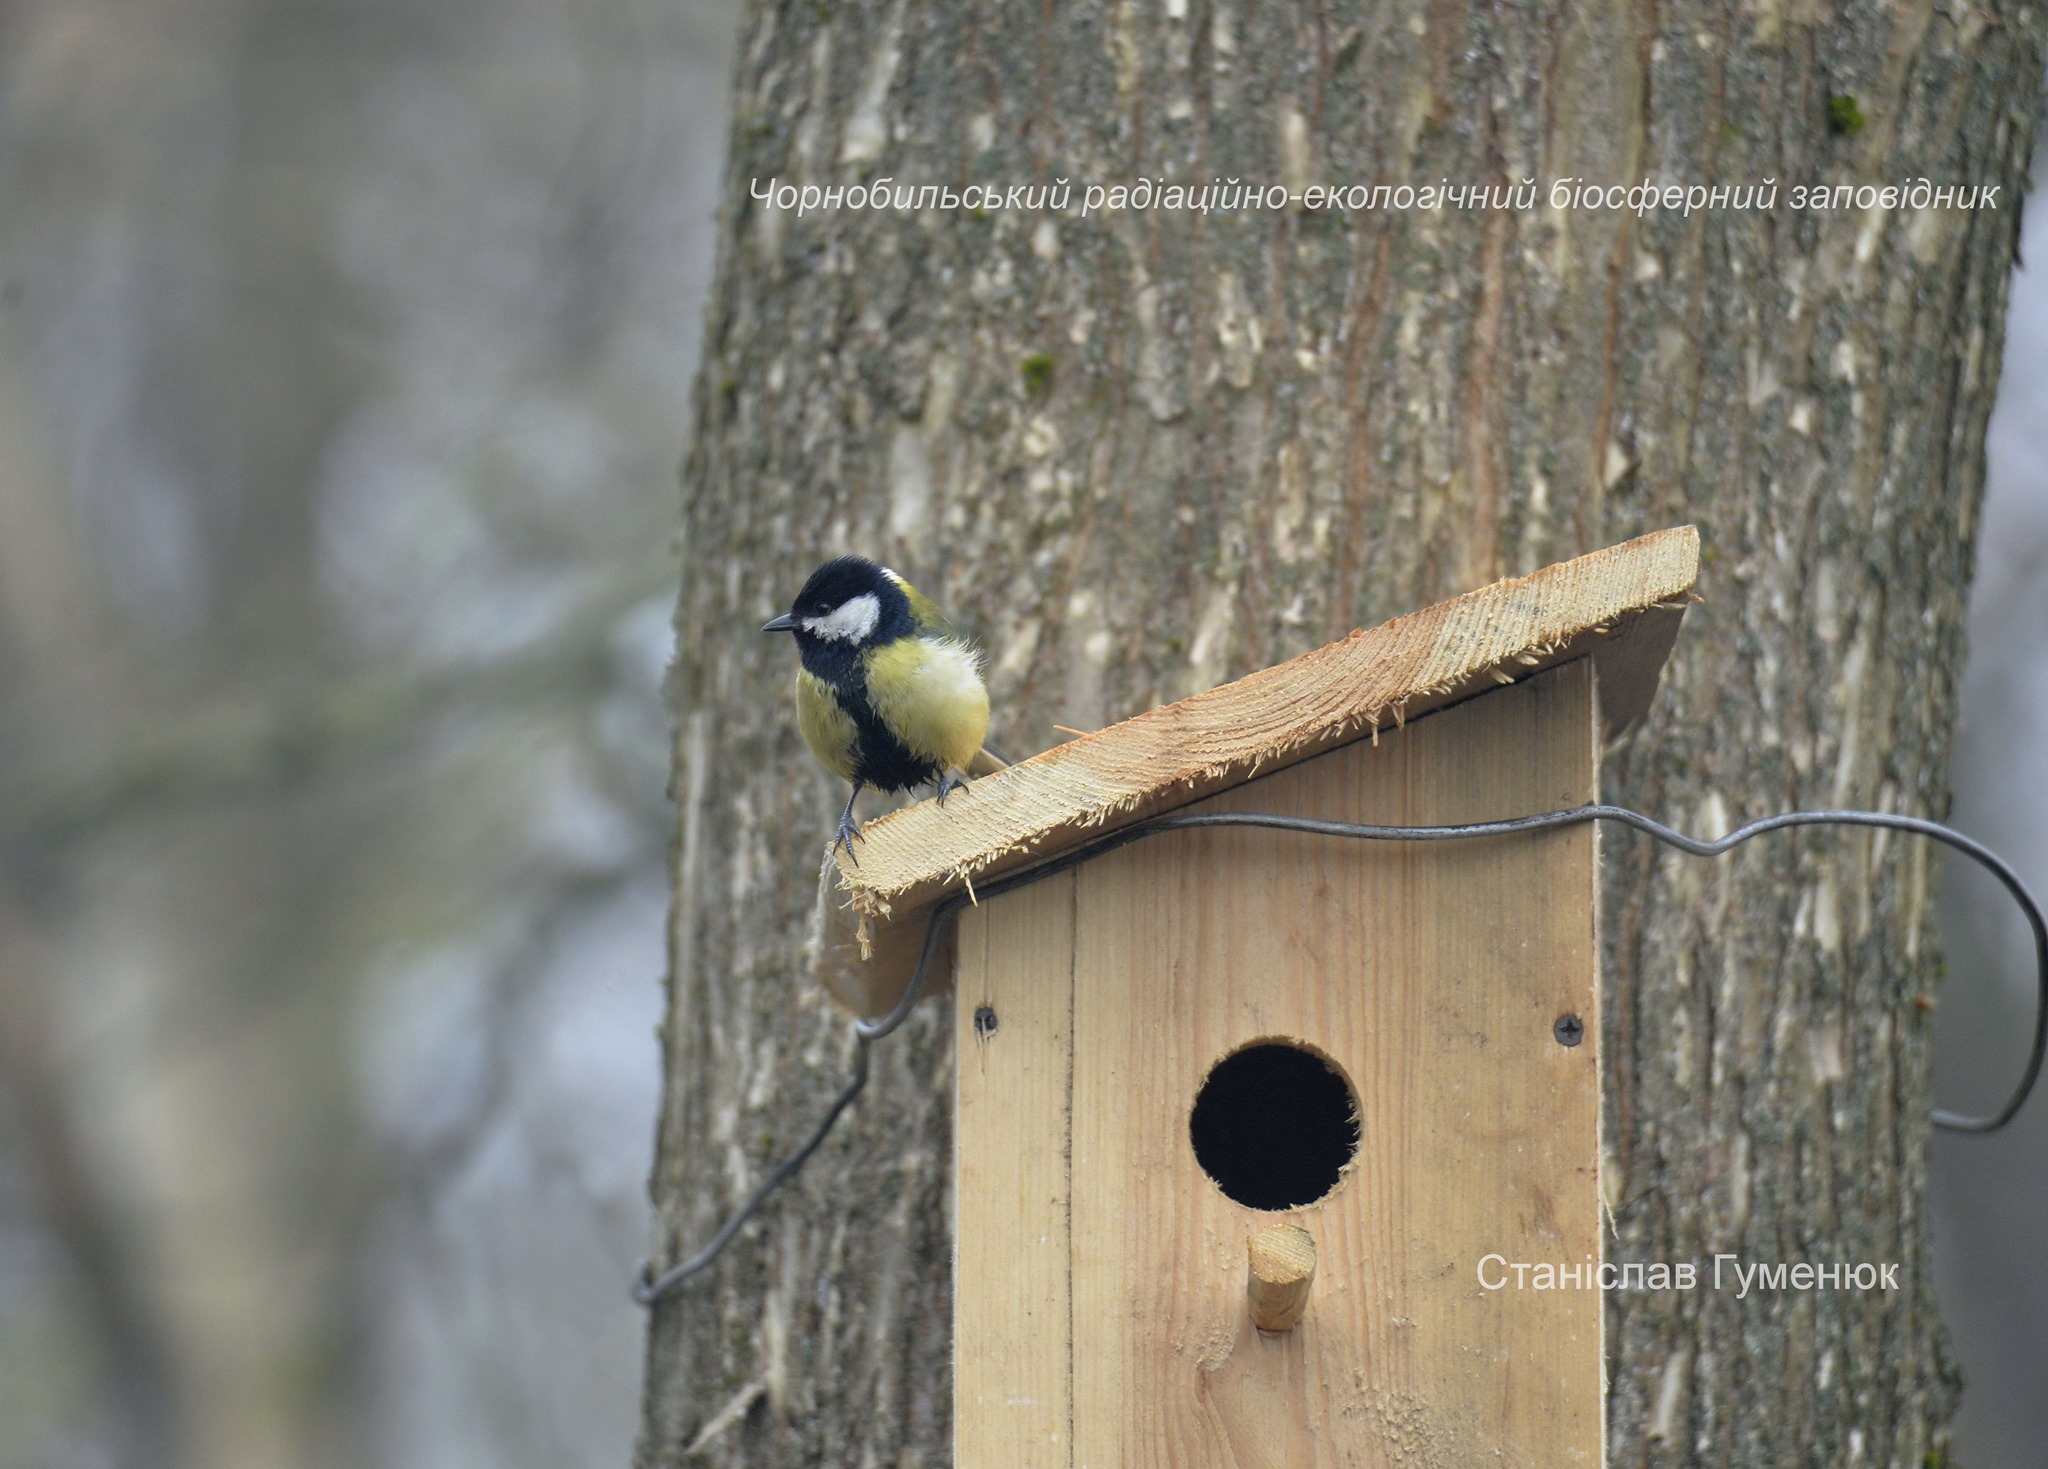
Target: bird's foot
[(849, 833), (948, 783)]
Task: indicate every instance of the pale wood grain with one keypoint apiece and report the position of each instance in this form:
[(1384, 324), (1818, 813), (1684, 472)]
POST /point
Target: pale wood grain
[(1431, 976), (1620, 607), (1015, 1044)]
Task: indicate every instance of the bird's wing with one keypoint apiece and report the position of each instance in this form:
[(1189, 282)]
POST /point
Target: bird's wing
[(930, 622)]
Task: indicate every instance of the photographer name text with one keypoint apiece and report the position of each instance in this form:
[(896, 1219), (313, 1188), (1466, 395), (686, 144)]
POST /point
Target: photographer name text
[(1497, 1272)]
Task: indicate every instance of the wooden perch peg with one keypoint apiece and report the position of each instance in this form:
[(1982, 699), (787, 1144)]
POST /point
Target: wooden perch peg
[(1283, 1267)]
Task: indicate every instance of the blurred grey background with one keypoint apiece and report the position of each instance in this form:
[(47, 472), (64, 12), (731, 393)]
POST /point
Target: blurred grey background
[(345, 354), (1991, 1193)]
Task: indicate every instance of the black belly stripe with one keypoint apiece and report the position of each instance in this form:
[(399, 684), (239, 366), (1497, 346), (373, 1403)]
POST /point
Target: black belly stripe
[(882, 760)]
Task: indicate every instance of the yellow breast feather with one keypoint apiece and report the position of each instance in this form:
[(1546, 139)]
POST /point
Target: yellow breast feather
[(828, 729), (929, 692)]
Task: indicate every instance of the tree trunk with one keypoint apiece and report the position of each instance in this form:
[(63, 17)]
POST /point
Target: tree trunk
[(1140, 452)]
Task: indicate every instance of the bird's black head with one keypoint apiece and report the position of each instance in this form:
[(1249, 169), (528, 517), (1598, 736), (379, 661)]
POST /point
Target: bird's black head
[(847, 606)]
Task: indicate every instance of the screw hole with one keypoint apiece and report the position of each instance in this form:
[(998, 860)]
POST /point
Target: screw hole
[(985, 1022)]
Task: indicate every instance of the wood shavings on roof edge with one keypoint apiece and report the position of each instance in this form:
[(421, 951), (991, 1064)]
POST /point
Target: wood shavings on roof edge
[(1620, 606)]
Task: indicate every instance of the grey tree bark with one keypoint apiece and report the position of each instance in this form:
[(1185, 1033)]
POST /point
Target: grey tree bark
[(1138, 453)]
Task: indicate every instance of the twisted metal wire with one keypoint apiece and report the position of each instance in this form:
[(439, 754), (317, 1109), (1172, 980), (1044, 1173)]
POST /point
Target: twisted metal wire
[(649, 1288)]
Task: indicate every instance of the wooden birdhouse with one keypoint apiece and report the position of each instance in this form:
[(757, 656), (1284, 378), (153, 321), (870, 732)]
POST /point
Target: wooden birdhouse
[(1242, 1111)]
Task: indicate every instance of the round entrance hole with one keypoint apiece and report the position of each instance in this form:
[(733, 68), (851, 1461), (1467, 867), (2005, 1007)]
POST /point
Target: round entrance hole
[(1274, 1125)]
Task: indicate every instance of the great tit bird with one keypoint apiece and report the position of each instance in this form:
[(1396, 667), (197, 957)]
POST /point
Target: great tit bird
[(889, 695)]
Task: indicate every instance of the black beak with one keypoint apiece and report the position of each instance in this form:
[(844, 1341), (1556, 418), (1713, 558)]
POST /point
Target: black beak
[(785, 623)]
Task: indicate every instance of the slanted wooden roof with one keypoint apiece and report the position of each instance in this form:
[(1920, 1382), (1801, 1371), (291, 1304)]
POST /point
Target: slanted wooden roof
[(1620, 606)]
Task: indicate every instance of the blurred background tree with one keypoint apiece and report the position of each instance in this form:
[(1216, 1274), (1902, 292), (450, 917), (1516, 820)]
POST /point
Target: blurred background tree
[(345, 350), (342, 349)]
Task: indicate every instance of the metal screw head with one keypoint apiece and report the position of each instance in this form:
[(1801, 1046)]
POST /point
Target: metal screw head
[(1569, 1030), (984, 1022)]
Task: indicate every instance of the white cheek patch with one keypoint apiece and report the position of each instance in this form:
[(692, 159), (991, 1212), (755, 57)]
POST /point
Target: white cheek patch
[(850, 621)]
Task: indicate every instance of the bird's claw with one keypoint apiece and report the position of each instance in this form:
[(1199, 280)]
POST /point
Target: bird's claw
[(948, 783), (848, 834)]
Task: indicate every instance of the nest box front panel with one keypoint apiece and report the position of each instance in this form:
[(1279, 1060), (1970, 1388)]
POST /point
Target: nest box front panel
[(1271, 996)]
